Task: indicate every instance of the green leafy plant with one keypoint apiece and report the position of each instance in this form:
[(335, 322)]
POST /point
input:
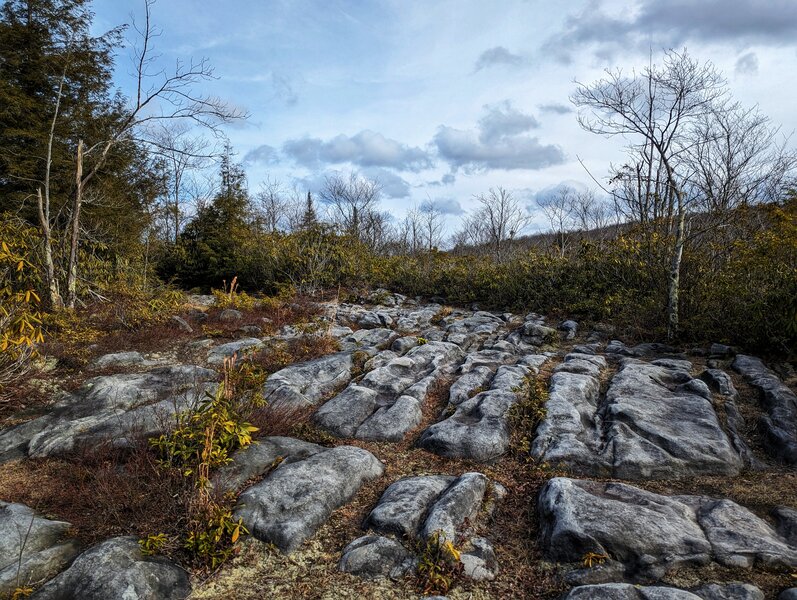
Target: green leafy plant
[(153, 544), (439, 564)]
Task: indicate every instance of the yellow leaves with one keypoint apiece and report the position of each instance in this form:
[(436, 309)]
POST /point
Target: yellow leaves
[(21, 592), (591, 559)]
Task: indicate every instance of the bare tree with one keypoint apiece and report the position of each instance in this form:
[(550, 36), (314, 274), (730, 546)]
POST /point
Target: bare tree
[(349, 199), (432, 221), (498, 220), (160, 97), (274, 205), (657, 110), (560, 208)]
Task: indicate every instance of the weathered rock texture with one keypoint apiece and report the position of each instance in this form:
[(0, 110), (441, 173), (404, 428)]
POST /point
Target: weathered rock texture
[(110, 409), (115, 569), (386, 403), (655, 421), (299, 494), (32, 548), (779, 423), (651, 534)]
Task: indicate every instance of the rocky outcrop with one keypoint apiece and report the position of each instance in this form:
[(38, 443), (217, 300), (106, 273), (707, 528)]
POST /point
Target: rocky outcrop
[(218, 354), (440, 507), (626, 591), (386, 403), (114, 569), (478, 429), (299, 494), (110, 409), (650, 534), (779, 423), (32, 548), (308, 383), (655, 421)]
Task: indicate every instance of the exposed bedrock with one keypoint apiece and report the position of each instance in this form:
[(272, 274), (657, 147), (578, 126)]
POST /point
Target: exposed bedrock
[(655, 421), (386, 403), (416, 509), (650, 534), (779, 423), (478, 428), (32, 548), (115, 569), (110, 409), (298, 493)]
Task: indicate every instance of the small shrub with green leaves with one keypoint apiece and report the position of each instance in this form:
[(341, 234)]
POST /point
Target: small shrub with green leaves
[(439, 564)]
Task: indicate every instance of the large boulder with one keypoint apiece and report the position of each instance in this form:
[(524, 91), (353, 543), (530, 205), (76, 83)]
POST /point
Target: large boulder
[(116, 569), (626, 591), (779, 424), (297, 496), (110, 409), (651, 534), (655, 421), (386, 403), (32, 548)]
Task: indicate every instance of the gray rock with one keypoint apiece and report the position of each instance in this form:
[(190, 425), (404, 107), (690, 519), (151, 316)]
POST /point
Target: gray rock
[(181, 324), (472, 330), (479, 563), (570, 328), (230, 315), (32, 548), (779, 424), (721, 350), (251, 330), (786, 523), (719, 382), (365, 339), (121, 359), (404, 504), (298, 496), (260, 457), (110, 409), (655, 421), (728, 591), (478, 429), (201, 299), (386, 403), (217, 355), (116, 568), (403, 344), (790, 594), (373, 556), (650, 533), (308, 383), (626, 591), (459, 503)]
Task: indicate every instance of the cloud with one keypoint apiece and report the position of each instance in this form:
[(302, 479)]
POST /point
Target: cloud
[(393, 186), (264, 154), (674, 23), (503, 120), (555, 108), (747, 64), (365, 149), (497, 56), (447, 206), (499, 142)]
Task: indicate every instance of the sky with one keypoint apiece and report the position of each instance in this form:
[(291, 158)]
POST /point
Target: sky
[(440, 100)]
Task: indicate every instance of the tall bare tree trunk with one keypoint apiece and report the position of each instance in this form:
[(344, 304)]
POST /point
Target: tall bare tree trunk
[(49, 266), (674, 286), (71, 285)]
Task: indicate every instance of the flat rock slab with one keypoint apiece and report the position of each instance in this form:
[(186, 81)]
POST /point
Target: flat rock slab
[(109, 409), (779, 424), (32, 548), (626, 591), (655, 421), (651, 534), (298, 496), (478, 429), (386, 403), (116, 569), (307, 383)]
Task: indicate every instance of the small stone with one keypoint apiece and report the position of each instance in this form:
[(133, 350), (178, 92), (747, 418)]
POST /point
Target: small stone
[(181, 324), (229, 315)]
